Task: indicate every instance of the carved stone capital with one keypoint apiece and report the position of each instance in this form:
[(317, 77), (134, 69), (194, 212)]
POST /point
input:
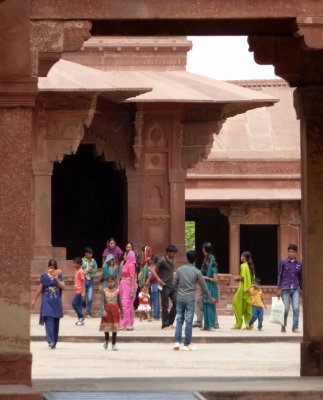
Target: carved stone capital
[(51, 38), (18, 92)]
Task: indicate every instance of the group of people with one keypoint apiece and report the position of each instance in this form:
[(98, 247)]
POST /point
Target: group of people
[(129, 281)]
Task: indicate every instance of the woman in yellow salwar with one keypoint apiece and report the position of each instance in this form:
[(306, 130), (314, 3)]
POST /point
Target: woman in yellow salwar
[(241, 301)]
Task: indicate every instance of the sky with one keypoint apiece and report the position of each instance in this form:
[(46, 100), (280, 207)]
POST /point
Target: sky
[(225, 58)]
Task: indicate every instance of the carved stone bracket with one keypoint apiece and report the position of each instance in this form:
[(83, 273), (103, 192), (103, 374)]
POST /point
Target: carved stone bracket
[(198, 141), (111, 134), (291, 57), (51, 38), (59, 131)]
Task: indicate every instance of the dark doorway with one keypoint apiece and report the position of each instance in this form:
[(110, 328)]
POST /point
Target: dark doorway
[(88, 203), (211, 226), (261, 241)]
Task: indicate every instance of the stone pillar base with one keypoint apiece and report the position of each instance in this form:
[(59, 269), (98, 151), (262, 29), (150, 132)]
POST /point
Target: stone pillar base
[(312, 358), (15, 368), (18, 392)]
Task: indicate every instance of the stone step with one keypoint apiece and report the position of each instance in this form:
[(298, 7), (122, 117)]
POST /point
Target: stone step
[(123, 396)]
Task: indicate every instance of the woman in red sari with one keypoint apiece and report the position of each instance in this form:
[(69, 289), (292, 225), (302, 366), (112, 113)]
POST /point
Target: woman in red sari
[(128, 288)]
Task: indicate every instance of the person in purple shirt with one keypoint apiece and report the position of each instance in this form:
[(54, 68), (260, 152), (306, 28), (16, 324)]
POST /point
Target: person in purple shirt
[(113, 249), (289, 284)]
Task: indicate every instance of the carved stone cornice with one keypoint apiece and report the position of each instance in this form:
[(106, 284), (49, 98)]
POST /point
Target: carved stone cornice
[(262, 167), (51, 38)]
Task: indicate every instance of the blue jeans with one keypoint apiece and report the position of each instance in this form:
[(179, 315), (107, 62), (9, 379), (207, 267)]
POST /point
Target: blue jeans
[(185, 311), (287, 295), (257, 313), (77, 305), (89, 287), (155, 300)]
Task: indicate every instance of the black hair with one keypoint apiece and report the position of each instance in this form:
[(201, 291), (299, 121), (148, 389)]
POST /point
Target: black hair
[(171, 248), (52, 263), (133, 247), (78, 260), (111, 277), (110, 240), (257, 281), (292, 246), (88, 250), (191, 256), (207, 246), (247, 255), (154, 259)]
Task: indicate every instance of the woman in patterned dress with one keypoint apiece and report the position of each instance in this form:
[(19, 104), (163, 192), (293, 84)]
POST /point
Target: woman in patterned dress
[(111, 312)]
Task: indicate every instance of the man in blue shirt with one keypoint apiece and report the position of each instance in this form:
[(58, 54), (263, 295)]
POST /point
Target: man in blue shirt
[(289, 284)]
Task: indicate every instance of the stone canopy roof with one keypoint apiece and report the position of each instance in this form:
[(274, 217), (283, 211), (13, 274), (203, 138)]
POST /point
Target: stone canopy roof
[(152, 86)]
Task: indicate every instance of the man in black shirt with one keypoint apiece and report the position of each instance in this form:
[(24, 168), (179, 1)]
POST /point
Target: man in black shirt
[(164, 272)]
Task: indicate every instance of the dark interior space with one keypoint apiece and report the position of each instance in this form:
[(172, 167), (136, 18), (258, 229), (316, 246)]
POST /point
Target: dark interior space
[(261, 241), (88, 203), (211, 226)]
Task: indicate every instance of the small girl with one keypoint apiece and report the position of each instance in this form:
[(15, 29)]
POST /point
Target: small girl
[(144, 306), (112, 310)]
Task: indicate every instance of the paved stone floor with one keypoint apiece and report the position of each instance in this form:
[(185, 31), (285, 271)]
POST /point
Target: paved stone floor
[(225, 361)]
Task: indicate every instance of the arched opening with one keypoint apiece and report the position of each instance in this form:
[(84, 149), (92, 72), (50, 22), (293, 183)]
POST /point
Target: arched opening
[(88, 203)]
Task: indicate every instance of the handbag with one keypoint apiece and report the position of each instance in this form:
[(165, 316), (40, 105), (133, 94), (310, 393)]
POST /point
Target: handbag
[(277, 311)]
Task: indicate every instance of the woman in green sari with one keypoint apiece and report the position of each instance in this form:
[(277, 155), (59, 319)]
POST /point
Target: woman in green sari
[(241, 301), (211, 278)]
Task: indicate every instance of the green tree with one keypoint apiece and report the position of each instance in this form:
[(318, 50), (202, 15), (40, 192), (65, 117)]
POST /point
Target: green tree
[(190, 235)]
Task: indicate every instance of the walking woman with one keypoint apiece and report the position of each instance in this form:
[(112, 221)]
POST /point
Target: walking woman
[(51, 309), (209, 308), (241, 301), (128, 287)]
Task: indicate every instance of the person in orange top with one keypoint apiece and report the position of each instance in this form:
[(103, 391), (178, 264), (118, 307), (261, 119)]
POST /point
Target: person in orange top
[(79, 290), (257, 304)]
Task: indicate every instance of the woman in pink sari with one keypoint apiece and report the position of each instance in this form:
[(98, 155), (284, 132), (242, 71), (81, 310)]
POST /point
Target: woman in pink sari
[(128, 288)]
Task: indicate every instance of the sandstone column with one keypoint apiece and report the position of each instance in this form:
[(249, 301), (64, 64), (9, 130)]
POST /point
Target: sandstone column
[(177, 180), (135, 206), (309, 104), (18, 91), (234, 229), (42, 247)]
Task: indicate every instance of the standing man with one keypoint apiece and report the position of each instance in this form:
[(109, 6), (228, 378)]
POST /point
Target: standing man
[(289, 284), (90, 268), (185, 281), (164, 272)]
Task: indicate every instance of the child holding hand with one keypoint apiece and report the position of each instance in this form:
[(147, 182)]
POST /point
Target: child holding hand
[(257, 304)]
